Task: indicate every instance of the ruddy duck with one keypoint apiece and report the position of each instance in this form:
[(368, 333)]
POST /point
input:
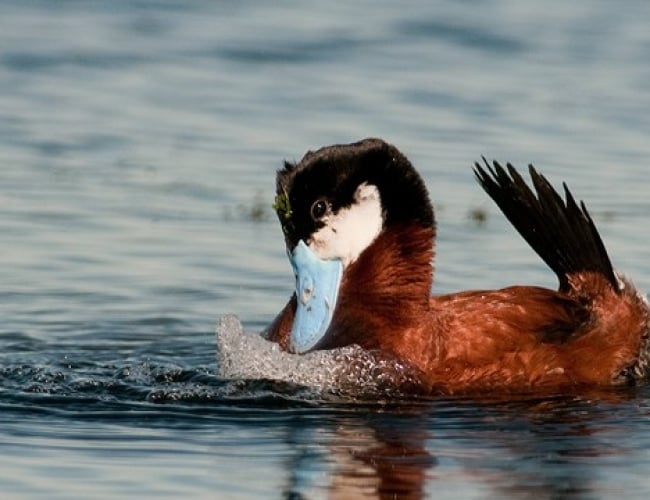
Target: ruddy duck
[(359, 231)]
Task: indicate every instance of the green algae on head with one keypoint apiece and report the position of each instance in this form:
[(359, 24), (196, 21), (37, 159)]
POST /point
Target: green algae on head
[(282, 206)]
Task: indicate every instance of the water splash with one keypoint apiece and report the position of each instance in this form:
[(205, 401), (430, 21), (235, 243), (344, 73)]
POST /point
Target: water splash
[(347, 371)]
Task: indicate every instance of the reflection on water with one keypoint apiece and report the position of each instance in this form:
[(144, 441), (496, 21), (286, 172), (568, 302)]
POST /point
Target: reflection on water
[(160, 408), (554, 447)]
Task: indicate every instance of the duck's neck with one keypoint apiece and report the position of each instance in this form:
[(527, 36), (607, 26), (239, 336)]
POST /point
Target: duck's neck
[(386, 288)]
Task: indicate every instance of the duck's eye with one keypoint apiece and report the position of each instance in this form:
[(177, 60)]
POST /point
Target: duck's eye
[(319, 209)]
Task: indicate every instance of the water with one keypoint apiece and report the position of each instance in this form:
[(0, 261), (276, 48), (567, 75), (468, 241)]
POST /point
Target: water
[(138, 145)]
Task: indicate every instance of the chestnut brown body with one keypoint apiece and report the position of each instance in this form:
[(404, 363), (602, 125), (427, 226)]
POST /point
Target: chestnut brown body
[(593, 330), (515, 338)]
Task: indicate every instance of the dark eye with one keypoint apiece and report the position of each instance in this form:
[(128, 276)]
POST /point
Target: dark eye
[(319, 209)]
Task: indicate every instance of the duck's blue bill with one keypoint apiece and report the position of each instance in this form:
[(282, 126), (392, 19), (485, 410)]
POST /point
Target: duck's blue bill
[(317, 288)]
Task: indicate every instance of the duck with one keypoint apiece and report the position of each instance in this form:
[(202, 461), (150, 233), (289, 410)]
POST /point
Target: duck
[(359, 231)]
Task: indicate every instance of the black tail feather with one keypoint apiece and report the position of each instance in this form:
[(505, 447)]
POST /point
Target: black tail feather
[(561, 232)]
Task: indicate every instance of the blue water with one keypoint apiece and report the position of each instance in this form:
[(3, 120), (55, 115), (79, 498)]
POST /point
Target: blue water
[(138, 146)]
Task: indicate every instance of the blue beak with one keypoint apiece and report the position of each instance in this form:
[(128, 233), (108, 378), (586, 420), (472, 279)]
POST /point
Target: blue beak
[(317, 288)]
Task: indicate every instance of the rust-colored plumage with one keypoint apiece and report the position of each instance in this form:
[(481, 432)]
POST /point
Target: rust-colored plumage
[(592, 331)]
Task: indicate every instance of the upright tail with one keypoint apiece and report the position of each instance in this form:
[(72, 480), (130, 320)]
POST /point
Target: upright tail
[(561, 232)]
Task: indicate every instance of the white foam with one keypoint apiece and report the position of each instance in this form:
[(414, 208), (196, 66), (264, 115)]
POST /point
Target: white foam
[(348, 370)]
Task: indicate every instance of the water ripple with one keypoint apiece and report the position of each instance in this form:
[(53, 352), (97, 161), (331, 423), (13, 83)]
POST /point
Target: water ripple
[(464, 35), (38, 61)]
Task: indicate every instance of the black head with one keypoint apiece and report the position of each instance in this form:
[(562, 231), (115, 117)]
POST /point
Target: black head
[(334, 181)]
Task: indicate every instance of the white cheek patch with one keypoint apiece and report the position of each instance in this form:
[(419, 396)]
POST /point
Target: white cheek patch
[(350, 231)]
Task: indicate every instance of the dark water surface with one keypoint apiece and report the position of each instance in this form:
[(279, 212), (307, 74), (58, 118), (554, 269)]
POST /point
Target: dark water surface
[(138, 145)]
